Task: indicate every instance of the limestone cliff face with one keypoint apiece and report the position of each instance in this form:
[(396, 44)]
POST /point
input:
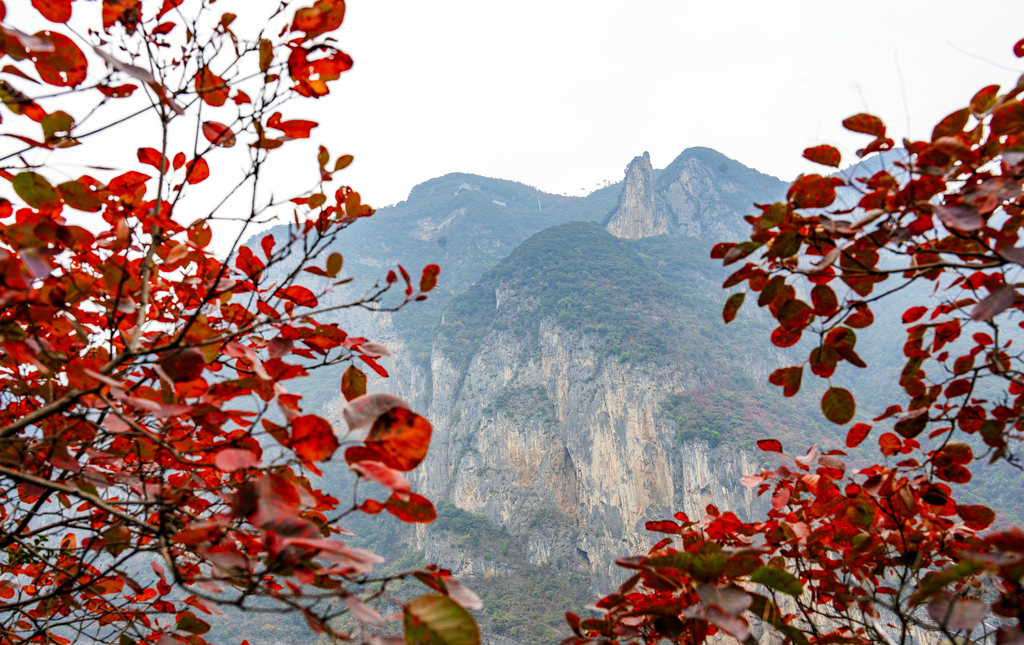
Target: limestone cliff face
[(641, 211), (543, 429), (700, 194)]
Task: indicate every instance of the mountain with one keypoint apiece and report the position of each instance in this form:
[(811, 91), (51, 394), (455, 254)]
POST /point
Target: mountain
[(579, 379), (702, 194)]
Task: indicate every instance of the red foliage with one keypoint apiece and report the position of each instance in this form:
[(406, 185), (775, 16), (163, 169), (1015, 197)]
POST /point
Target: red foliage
[(861, 552), (131, 355)]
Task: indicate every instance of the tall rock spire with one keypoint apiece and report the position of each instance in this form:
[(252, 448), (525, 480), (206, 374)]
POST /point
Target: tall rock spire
[(640, 213)]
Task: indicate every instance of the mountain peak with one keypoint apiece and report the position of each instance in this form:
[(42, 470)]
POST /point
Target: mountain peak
[(638, 213), (702, 193)]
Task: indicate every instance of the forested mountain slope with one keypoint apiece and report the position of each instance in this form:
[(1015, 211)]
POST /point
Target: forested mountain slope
[(580, 381)]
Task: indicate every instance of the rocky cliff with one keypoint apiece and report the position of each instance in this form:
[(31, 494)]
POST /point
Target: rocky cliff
[(702, 193)]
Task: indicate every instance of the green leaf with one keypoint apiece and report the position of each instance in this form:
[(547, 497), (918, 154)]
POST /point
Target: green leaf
[(838, 405), (57, 125), (187, 622), (343, 162), (35, 190), (438, 620), (778, 579)]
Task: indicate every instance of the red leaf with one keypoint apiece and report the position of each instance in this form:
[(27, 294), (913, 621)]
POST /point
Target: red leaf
[(857, 434), (913, 314), (984, 100), (169, 5), (811, 191), (153, 157), (197, 171), (118, 91), (410, 507), (65, 66), (770, 445), (218, 134), (301, 296), (374, 365), (401, 438), (1007, 119), (297, 129), (952, 125), (865, 124), (890, 444), (312, 438), (789, 378), (782, 337), (182, 365), (838, 405), (127, 12), (429, 278), (322, 17), (380, 473), (825, 155), (232, 459), (976, 517), (732, 305), (371, 506), (54, 10), (128, 183), (212, 88), (268, 245)]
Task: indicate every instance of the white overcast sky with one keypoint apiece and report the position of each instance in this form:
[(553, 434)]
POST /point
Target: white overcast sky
[(561, 94)]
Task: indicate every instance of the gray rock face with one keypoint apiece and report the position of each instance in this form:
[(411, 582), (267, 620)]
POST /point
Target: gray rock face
[(641, 211), (546, 439), (700, 194)]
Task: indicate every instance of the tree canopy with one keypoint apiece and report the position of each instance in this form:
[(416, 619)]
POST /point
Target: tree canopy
[(854, 552), (154, 466)]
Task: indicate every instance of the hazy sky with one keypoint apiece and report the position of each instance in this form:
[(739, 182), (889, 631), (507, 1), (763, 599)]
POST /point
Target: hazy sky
[(561, 94)]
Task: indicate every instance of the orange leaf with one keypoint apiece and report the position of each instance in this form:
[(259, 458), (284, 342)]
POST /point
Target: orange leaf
[(865, 124), (212, 88), (322, 17), (400, 437), (297, 129), (825, 155), (127, 12), (197, 171), (313, 438)]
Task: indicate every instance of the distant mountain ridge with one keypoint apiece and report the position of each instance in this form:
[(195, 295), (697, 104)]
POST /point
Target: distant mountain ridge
[(577, 374)]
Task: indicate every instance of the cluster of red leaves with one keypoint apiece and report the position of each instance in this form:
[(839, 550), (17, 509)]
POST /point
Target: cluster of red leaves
[(841, 558), (883, 553), (949, 213), (139, 372)]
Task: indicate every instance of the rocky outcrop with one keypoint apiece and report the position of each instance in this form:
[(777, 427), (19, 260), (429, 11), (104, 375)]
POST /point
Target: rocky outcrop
[(702, 193), (547, 439), (641, 211)]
